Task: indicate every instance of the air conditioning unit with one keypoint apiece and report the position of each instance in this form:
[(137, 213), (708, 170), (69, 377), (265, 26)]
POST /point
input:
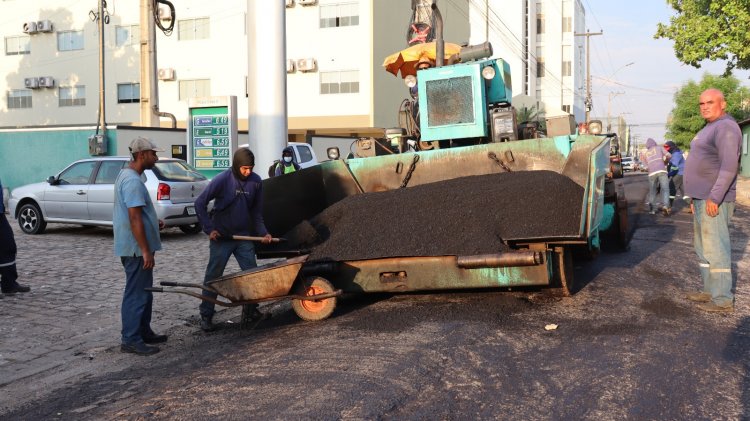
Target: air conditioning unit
[(165, 13), (306, 65), (290, 66), (46, 82), (166, 74), (31, 82), (44, 26), (29, 28), (289, 3), (307, 2)]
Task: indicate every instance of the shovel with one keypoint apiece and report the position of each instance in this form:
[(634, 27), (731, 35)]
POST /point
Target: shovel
[(248, 238)]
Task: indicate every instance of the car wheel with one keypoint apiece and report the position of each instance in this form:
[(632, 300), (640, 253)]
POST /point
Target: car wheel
[(192, 228), (30, 219)]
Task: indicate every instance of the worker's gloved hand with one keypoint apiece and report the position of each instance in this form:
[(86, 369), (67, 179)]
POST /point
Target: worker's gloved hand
[(214, 235)]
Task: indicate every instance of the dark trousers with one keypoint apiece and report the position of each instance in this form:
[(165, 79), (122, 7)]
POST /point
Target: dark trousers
[(219, 253), (136, 301), (8, 274)]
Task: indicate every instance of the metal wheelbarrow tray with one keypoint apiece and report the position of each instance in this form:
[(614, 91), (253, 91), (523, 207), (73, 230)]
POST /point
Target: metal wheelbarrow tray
[(313, 297)]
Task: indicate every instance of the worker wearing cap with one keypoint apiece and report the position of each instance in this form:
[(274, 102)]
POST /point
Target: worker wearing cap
[(237, 194), (656, 158), (136, 234)]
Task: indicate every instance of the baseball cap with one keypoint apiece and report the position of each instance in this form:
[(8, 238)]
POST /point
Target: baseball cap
[(141, 144)]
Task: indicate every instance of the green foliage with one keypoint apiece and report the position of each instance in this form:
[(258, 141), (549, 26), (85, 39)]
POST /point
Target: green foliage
[(686, 119), (713, 30), (526, 114)]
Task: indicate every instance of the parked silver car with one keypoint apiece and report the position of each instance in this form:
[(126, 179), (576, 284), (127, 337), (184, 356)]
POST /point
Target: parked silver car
[(83, 193)]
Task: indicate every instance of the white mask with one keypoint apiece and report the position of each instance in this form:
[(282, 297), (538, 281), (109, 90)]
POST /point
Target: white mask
[(287, 159)]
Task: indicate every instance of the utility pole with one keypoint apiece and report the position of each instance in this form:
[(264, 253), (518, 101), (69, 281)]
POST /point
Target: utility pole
[(101, 21), (609, 106), (148, 64), (587, 102)]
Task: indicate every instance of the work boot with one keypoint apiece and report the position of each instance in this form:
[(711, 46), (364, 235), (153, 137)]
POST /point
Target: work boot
[(712, 307), (154, 338), (667, 211), (16, 287), (699, 297), (139, 349), (207, 324)]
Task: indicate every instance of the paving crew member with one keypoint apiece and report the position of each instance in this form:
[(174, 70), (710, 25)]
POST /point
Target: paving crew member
[(711, 181), (136, 236), (237, 194), (8, 273), (287, 164), (656, 160), (675, 172)]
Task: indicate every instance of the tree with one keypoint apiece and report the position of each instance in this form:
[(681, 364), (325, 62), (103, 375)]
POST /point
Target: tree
[(686, 118), (528, 114), (706, 29)]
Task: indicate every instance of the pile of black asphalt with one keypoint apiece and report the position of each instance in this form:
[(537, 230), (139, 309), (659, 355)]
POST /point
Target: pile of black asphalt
[(462, 216)]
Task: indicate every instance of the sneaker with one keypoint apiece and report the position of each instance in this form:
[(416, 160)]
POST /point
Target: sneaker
[(139, 349), (652, 212), (699, 297), (667, 211), (712, 307), (207, 324), (154, 338), (16, 288)]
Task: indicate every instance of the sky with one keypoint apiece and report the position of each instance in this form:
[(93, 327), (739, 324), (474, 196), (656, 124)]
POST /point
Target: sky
[(641, 92)]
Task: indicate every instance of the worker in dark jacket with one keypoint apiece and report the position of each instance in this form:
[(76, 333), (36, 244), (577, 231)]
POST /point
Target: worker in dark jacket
[(287, 164), (676, 169), (237, 194), (8, 273)]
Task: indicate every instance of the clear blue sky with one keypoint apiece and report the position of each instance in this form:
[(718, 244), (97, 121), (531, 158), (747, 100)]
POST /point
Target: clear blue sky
[(643, 91)]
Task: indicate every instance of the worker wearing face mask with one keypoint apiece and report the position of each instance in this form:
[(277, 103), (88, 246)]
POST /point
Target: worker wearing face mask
[(287, 164)]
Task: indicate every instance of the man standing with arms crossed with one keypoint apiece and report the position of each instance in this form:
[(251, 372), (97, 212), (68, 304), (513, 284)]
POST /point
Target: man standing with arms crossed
[(136, 229), (711, 181)]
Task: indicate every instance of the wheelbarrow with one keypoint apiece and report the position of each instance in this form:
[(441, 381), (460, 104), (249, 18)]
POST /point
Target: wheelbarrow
[(313, 297)]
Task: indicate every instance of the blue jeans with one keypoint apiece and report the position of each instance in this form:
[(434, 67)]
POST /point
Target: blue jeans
[(219, 253), (136, 301), (661, 180), (713, 246)]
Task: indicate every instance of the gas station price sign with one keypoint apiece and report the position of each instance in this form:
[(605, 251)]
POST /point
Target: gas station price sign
[(212, 133)]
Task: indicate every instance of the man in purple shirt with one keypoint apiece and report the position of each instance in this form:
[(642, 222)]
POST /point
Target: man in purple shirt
[(711, 181)]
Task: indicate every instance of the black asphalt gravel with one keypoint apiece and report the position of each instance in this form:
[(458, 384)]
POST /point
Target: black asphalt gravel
[(430, 219)]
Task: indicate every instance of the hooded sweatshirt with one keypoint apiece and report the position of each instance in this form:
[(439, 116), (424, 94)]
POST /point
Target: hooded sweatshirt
[(654, 158)]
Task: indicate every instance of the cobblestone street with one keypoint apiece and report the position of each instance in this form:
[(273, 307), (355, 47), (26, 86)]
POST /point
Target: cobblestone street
[(72, 313)]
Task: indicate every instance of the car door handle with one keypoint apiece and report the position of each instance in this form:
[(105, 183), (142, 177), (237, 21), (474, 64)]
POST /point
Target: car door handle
[(79, 192)]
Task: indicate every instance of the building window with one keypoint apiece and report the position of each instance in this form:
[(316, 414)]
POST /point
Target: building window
[(339, 82), (567, 24), (128, 93), (539, 24), (19, 98), (192, 29), (567, 68), (335, 15), (539, 67), (194, 88), (127, 35), (69, 40), (73, 96), (566, 108), (17, 45)]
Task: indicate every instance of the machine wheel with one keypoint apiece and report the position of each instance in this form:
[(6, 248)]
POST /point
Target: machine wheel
[(192, 228), (30, 219), (314, 310)]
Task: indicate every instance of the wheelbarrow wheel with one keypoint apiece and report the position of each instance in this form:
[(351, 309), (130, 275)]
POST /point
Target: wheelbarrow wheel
[(314, 310)]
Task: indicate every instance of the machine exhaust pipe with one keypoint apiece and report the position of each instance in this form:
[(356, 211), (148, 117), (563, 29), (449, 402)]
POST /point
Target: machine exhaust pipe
[(501, 260), (475, 52), (439, 41)]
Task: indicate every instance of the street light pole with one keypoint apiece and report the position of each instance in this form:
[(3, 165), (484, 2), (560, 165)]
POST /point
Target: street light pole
[(609, 106)]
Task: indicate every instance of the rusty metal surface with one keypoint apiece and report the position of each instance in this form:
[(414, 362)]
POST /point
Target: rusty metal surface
[(267, 281), (403, 274), (515, 258)]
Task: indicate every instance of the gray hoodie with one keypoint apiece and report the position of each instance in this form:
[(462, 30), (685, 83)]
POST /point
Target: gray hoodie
[(654, 158)]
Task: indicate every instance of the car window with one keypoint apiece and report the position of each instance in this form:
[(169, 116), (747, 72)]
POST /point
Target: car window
[(304, 154), (108, 171), (79, 173), (176, 171)]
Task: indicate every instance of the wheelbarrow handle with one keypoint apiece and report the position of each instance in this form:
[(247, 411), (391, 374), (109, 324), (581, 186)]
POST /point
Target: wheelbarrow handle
[(249, 238)]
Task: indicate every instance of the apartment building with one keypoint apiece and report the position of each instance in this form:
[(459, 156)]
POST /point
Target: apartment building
[(335, 49), (537, 38)]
